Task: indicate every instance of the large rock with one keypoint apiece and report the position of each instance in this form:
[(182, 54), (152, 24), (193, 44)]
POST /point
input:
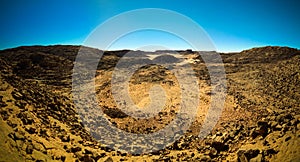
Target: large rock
[(165, 59), (252, 155)]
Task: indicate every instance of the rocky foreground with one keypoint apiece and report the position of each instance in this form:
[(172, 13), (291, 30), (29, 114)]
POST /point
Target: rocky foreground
[(260, 119)]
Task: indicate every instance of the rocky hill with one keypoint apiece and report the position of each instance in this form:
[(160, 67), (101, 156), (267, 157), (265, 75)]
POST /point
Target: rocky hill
[(260, 120)]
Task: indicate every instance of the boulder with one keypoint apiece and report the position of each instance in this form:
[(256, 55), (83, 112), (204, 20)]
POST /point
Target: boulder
[(249, 155)]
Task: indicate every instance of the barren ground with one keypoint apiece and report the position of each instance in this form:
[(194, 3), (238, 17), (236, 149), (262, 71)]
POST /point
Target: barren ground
[(260, 120)]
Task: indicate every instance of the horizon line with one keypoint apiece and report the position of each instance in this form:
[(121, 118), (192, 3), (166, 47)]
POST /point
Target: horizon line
[(156, 50)]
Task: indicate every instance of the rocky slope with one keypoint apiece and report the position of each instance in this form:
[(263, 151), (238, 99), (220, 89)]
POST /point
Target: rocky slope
[(260, 119)]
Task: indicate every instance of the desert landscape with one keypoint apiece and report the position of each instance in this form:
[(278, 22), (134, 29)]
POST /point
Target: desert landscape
[(260, 121)]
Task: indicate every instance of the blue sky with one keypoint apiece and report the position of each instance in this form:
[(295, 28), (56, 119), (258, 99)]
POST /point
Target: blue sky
[(233, 25)]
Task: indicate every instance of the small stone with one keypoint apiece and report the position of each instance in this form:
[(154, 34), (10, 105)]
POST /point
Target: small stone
[(4, 115), (266, 143), (287, 138), (29, 149), (87, 151), (17, 95), (87, 158), (63, 158), (39, 161), (280, 118), (263, 128), (258, 158), (109, 159), (213, 152), (246, 155), (273, 124), (18, 136), (278, 127), (205, 158), (65, 138), (96, 157), (30, 130), (219, 146), (75, 149), (11, 124), (270, 151)]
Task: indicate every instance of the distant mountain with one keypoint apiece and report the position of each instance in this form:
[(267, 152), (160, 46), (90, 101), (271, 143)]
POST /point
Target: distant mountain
[(263, 55)]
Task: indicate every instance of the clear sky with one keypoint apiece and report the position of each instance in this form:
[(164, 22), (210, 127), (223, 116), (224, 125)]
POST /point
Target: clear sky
[(233, 25)]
